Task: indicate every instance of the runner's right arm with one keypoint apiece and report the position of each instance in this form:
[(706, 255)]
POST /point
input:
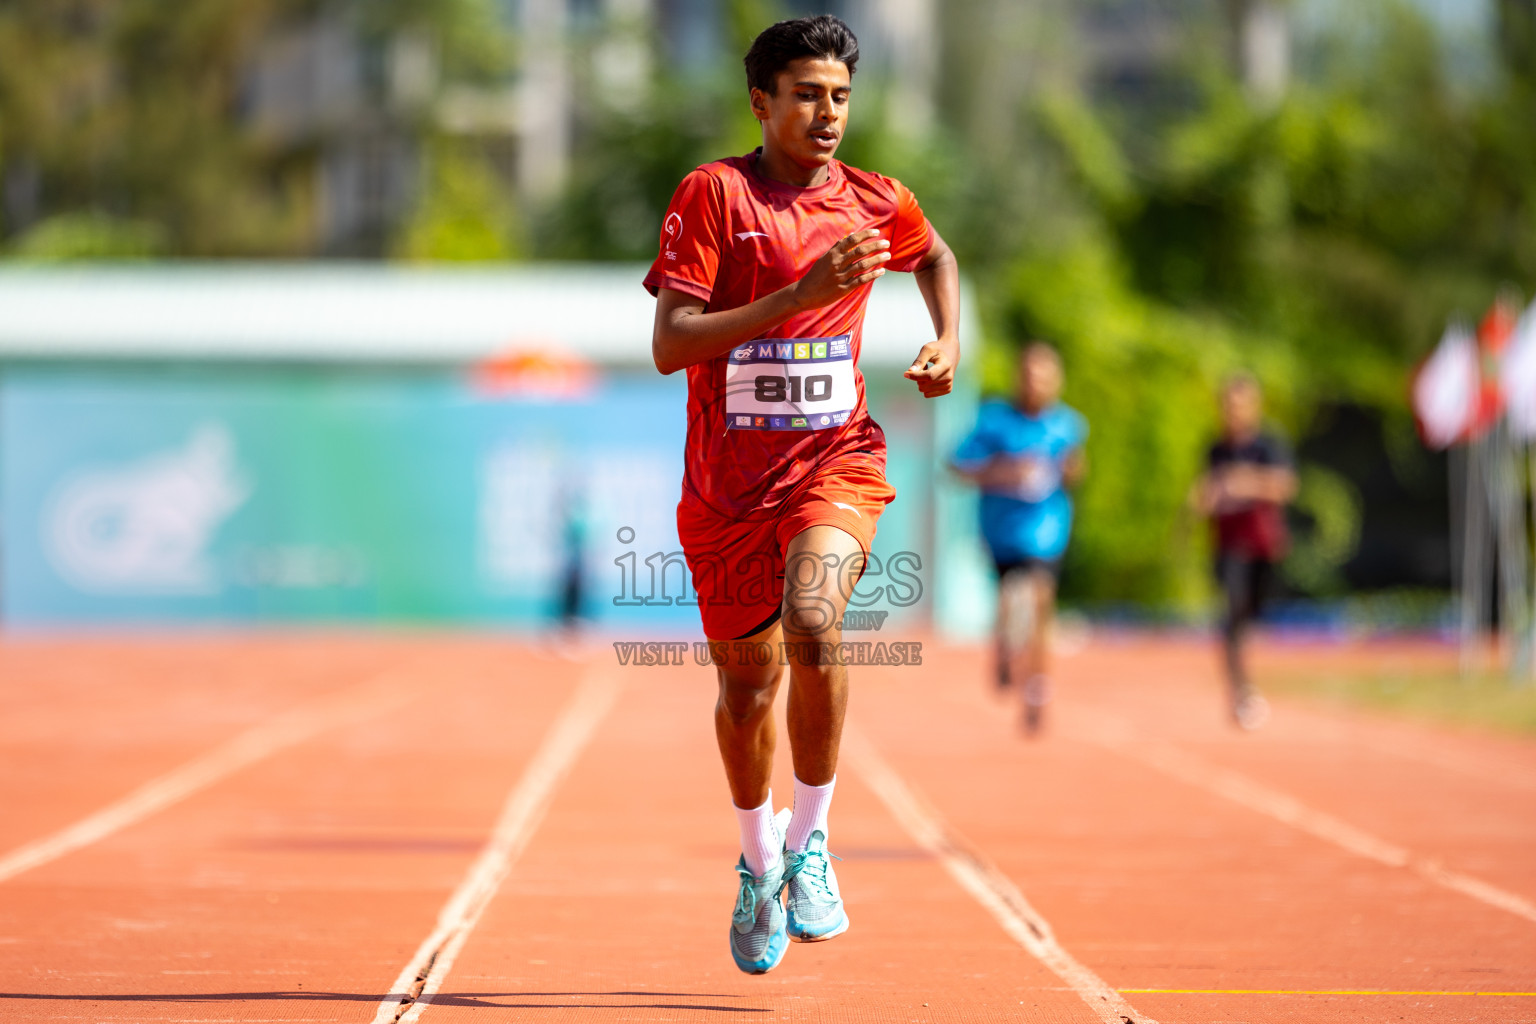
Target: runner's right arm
[(684, 334)]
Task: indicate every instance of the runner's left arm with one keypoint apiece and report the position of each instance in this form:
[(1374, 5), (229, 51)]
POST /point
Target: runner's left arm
[(1074, 466), (938, 278)]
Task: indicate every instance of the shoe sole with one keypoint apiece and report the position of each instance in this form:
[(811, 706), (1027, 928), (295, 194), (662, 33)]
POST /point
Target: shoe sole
[(761, 970), (824, 936)]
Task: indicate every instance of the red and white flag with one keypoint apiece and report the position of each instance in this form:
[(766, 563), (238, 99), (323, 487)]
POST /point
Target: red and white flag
[(1447, 390)]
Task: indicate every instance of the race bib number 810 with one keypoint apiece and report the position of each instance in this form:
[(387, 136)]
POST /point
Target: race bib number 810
[(790, 384)]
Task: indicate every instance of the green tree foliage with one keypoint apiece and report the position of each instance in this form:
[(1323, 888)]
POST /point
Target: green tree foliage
[(117, 114), (627, 166), (1322, 242), (1165, 239), (89, 236), (464, 214)]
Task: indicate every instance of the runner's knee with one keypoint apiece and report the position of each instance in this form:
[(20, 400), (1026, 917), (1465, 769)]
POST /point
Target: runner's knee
[(814, 614), (747, 694)]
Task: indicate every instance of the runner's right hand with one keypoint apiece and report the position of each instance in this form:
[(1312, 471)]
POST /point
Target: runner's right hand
[(851, 263)]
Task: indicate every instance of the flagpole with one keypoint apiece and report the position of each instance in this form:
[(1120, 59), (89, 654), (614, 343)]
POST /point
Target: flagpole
[(1473, 595), (1530, 631), (1511, 547), (1456, 487)]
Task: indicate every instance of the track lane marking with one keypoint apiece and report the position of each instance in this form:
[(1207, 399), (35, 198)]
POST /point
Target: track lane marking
[(1396, 739), (1315, 992), (368, 699), (1282, 807), (520, 817), (995, 891)]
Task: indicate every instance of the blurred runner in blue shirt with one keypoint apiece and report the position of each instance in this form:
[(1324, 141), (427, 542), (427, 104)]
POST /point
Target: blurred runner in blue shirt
[(1025, 455)]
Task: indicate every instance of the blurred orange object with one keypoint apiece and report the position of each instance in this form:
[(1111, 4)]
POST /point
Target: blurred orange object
[(535, 372)]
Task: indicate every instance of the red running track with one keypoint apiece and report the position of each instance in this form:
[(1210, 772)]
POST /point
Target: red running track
[(286, 819)]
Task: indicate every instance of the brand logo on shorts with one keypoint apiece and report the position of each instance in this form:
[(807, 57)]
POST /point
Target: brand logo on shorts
[(744, 235)]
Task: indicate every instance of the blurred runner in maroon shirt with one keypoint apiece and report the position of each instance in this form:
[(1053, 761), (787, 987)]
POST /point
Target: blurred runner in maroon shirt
[(1248, 479)]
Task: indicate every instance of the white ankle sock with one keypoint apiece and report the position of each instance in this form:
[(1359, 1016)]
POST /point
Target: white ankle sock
[(761, 843), (811, 805)]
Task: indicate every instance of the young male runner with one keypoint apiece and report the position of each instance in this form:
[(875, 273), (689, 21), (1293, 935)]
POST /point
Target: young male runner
[(764, 272), (1026, 455), (1248, 480)]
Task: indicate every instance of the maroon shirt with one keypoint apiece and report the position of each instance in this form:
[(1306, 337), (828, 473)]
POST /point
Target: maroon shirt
[(1252, 529)]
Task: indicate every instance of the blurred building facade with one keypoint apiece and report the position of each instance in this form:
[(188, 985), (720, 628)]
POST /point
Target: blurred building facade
[(362, 104)]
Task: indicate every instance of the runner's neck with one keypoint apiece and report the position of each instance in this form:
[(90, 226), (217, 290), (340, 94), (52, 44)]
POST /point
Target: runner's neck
[(777, 167)]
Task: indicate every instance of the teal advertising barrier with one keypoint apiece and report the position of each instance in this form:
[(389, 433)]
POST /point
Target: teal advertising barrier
[(241, 493)]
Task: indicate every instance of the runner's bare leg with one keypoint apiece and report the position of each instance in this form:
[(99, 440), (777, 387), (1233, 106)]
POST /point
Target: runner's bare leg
[(1042, 595), (814, 601), (818, 693), (744, 725)]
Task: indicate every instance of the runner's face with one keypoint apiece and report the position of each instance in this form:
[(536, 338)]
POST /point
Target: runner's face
[(804, 119), (1039, 380), (1241, 411)]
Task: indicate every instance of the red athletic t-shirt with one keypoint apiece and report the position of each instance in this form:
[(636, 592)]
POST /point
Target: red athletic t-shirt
[(762, 417)]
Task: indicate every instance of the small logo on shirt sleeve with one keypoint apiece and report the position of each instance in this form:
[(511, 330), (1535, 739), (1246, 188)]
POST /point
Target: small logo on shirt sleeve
[(672, 231)]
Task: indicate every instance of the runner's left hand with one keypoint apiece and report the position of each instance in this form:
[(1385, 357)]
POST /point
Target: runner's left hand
[(934, 369)]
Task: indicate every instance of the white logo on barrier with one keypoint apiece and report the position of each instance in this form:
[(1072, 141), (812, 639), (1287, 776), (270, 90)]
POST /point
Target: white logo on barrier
[(145, 527)]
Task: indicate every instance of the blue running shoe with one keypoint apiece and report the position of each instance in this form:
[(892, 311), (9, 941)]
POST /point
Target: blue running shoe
[(758, 938), (810, 893)]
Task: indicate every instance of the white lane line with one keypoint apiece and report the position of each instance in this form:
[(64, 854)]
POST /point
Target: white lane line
[(413, 990), (1281, 806), (365, 700), (1405, 741), (991, 888)]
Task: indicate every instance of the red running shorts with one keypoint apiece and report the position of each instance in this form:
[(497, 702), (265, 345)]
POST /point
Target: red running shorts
[(738, 564)]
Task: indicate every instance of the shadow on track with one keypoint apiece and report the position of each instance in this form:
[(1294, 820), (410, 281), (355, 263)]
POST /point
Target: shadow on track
[(485, 1000)]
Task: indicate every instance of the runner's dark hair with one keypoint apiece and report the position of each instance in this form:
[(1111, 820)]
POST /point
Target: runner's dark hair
[(1044, 348), (1240, 380), (823, 36)]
